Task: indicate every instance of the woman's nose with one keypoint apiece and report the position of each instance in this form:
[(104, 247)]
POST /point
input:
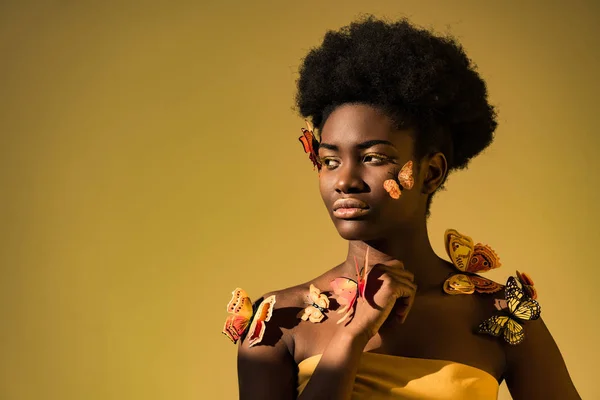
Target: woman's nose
[(349, 180)]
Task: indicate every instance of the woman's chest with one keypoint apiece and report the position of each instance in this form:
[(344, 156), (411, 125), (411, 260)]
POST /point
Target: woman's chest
[(437, 327)]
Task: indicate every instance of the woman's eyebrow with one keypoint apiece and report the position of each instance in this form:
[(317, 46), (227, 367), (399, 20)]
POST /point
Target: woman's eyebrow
[(328, 146), (371, 143), (362, 146)]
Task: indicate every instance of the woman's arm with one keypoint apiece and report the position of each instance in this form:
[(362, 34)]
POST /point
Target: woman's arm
[(270, 372), (334, 376), (535, 367), (266, 372)]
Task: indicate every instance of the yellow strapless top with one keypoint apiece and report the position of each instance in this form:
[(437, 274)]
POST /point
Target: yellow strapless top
[(382, 376)]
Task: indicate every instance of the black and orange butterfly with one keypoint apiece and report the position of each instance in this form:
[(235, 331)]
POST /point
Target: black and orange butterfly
[(470, 259), (310, 144), (519, 308)]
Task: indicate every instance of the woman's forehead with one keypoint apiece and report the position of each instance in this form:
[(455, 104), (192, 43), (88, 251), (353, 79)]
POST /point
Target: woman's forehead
[(352, 125)]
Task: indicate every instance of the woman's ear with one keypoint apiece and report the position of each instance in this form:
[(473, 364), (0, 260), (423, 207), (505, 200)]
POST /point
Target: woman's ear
[(436, 169)]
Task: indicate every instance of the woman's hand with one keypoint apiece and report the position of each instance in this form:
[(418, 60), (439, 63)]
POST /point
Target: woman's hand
[(388, 285)]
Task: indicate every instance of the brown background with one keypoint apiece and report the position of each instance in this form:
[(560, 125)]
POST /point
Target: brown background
[(150, 164)]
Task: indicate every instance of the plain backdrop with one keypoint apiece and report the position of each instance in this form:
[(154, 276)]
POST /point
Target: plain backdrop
[(150, 164)]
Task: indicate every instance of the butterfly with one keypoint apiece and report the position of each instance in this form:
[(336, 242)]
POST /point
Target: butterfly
[(519, 308), (469, 258), (318, 304), (527, 284), (348, 290), (310, 143), (240, 306), (405, 178)]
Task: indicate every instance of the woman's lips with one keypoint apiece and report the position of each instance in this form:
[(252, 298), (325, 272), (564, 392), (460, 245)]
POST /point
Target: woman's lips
[(349, 208), (348, 213)]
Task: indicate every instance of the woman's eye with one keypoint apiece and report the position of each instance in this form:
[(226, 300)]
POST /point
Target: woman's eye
[(329, 162), (375, 159)]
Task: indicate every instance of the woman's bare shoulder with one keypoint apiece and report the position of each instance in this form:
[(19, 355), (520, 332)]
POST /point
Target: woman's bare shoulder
[(297, 295), (289, 305)]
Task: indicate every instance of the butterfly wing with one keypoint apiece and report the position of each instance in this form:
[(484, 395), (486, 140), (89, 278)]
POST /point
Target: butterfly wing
[(483, 259), (527, 310), (501, 324), (262, 316), (521, 307), (312, 314), (459, 248), (391, 186), (494, 325), (310, 144), (346, 291), (527, 284), (240, 306), (459, 284), (405, 176), (513, 332), (234, 327), (513, 292), (524, 278), (318, 298), (306, 140), (362, 275), (484, 285)]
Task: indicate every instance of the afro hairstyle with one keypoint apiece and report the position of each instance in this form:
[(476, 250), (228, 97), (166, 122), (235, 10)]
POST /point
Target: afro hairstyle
[(420, 80)]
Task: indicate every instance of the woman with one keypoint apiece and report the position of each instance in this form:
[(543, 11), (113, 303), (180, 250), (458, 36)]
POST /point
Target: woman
[(397, 109)]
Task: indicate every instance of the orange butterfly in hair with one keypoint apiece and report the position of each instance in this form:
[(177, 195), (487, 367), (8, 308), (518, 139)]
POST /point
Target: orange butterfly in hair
[(240, 306), (470, 259), (348, 290), (310, 144)]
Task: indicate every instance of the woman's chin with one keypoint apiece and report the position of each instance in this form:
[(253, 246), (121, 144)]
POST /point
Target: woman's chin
[(356, 230)]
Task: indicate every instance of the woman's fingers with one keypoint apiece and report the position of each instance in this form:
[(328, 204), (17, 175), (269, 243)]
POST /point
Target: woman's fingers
[(404, 308), (404, 290), (402, 276)]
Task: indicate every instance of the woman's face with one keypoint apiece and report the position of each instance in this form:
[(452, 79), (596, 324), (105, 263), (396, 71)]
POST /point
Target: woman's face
[(359, 150)]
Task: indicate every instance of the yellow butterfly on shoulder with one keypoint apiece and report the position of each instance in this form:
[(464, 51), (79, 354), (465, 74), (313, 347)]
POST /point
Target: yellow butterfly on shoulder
[(519, 308)]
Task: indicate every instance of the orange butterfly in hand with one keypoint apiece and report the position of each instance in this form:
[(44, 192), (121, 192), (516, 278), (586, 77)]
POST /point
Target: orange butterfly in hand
[(348, 290), (240, 306), (310, 144)]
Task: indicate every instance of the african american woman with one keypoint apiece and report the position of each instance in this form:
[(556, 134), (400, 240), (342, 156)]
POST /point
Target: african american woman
[(391, 110)]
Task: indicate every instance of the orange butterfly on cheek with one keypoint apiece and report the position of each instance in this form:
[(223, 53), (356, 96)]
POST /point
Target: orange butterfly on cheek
[(405, 178), (391, 186), (310, 144), (348, 290), (240, 306)]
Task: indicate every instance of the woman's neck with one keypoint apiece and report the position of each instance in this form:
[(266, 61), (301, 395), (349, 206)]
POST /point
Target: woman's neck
[(412, 248)]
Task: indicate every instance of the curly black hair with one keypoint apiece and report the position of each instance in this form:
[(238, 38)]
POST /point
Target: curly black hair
[(420, 80)]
